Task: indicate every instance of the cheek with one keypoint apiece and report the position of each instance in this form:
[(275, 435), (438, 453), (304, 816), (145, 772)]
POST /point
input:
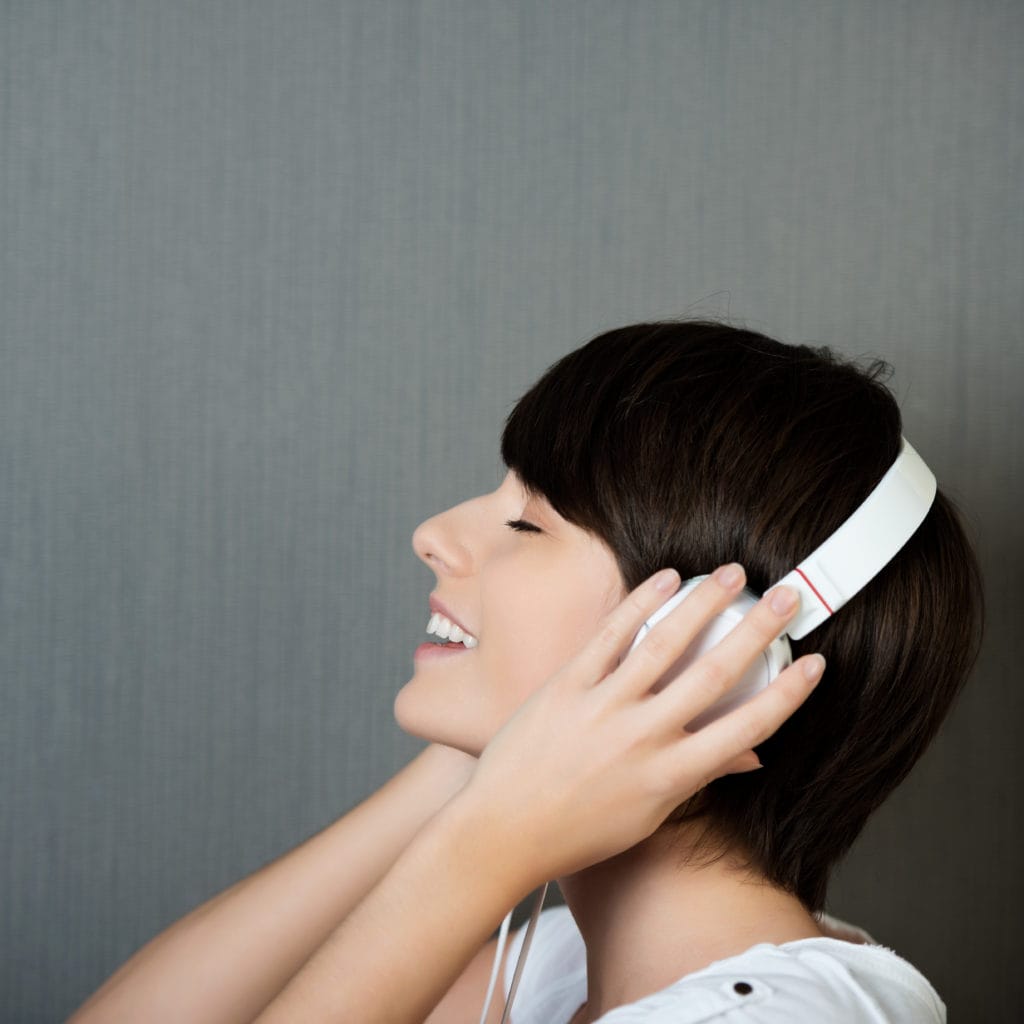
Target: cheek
[(534, 616), (525, 610), (517, 669), (538, 629)]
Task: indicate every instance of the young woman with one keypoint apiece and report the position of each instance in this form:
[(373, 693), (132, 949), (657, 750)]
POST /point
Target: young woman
[(694, 885)]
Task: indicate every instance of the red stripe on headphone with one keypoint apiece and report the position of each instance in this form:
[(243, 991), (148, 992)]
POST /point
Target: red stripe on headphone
[(815, 589)]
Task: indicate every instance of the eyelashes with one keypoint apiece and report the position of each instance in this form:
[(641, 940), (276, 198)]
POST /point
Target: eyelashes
[(522, 526)]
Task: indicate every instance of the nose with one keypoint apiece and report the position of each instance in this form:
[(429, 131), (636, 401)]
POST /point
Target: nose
[(437, 542)]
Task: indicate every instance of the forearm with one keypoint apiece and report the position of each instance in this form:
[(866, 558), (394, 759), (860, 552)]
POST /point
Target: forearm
[(224, 961), (394, 957)]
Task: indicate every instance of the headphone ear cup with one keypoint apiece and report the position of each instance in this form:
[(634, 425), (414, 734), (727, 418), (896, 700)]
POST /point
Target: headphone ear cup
[(765, 667)]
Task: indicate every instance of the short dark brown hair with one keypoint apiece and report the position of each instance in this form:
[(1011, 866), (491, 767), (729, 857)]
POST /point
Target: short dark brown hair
[(695, 443)]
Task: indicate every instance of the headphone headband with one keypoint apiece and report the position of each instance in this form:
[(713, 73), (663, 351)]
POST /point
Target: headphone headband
[(864, 544)]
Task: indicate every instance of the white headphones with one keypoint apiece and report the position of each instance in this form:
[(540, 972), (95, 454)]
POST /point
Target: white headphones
[(825, 580)]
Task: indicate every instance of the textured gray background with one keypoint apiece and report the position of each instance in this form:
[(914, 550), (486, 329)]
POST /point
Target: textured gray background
[(271, 275)]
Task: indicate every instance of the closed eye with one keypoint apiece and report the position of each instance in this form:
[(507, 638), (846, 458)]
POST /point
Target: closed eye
[(522, 526)]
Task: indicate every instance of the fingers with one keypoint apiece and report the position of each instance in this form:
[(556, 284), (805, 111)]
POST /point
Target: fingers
[(725, 745), (622, 624), (745, 762), (720, 668), (718, 743), (708, 678), (618, 628), (672, 634)]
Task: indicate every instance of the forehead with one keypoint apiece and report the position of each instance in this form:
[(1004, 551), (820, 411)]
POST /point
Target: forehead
[(513, 481), (539, 506)]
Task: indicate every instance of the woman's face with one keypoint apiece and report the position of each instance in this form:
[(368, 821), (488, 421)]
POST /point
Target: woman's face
[(531, 600)]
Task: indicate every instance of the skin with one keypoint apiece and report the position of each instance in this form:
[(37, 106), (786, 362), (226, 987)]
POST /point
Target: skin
[(531, 599), (587, 768), (534, 600), (567, 770)]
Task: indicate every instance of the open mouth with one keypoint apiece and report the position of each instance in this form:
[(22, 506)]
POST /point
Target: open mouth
[(445, 633)]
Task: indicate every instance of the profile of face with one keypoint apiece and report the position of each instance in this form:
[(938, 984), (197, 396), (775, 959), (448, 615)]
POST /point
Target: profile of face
[(530, 597)]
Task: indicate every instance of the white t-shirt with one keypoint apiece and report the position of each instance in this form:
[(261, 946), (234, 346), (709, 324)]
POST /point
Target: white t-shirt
[(818, 981)]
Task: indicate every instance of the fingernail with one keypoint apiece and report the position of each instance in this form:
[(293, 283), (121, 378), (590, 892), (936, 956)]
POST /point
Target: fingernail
[(667, 579), (783, 600), (729, 575), (814, 667)]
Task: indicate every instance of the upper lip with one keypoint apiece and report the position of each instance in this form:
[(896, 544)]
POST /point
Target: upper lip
[(437, 605)]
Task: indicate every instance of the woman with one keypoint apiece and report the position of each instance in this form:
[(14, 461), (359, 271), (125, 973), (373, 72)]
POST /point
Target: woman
[(694, 883)]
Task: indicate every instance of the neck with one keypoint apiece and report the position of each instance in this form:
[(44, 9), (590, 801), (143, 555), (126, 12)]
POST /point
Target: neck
[(648, 918)]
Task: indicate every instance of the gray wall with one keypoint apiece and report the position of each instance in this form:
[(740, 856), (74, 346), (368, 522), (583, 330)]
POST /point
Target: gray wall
[(271, 275)]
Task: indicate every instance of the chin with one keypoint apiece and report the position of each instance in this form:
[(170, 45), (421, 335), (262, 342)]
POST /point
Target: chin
[(419, 717)]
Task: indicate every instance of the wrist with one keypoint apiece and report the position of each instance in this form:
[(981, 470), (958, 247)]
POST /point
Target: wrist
[(499, 849), (449, 769), (420, 789)]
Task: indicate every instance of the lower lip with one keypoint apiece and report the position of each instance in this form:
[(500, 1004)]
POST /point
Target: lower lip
[(429, 650)]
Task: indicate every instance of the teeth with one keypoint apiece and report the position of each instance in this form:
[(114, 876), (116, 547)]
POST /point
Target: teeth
[(447, 630)]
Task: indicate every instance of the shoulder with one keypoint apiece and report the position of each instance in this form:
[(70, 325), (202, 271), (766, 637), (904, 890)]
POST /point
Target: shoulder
[(820, 980), (825, 981)]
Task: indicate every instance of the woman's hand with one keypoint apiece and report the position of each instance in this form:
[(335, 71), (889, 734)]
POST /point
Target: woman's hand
[(589, 765), (593, 762)]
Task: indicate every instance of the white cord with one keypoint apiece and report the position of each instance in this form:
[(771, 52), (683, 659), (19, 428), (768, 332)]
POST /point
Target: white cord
[(502, 936), (520, 963)]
